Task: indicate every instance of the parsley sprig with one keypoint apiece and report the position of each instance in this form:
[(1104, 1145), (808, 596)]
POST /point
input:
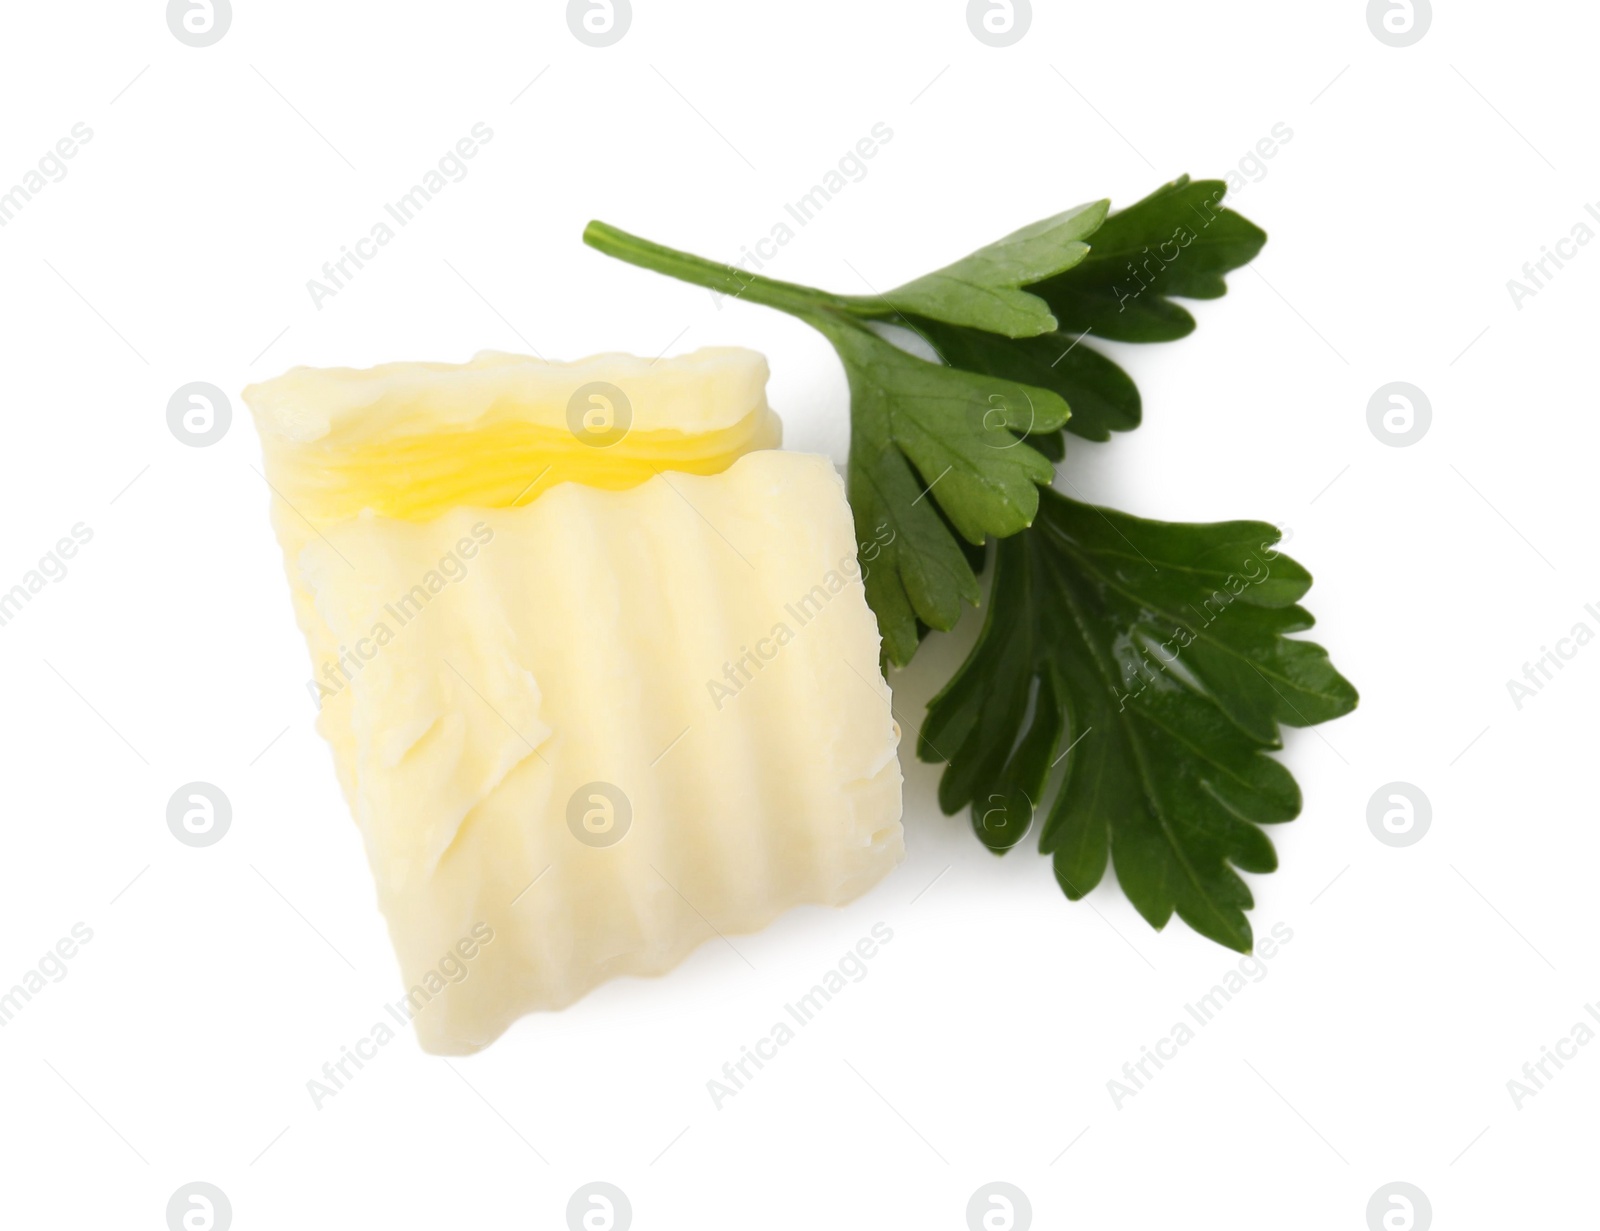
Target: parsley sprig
[(1157, 653), (1131, 676)]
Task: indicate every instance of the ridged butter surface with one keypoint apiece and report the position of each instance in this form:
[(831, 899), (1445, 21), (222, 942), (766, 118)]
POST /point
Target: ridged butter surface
[(692, 661)]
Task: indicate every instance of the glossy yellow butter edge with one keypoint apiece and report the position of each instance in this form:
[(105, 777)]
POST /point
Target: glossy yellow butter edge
[(412, 440)]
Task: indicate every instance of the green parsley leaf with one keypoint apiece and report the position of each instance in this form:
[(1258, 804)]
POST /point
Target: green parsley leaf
[(919, 432), (983, 289), (1159, 669), (1103, 397), (956, 428), (937, 455), (1179, 240)]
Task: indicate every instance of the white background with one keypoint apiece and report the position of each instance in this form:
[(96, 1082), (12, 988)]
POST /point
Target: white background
[(1418, 981)]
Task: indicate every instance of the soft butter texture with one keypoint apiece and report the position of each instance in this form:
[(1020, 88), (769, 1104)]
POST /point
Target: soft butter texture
[(688, 661)]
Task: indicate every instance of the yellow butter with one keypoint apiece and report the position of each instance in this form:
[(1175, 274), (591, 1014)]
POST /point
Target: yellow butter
[(608, 724)]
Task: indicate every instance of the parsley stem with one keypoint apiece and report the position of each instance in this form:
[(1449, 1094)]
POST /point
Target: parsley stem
[(727, 280)]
